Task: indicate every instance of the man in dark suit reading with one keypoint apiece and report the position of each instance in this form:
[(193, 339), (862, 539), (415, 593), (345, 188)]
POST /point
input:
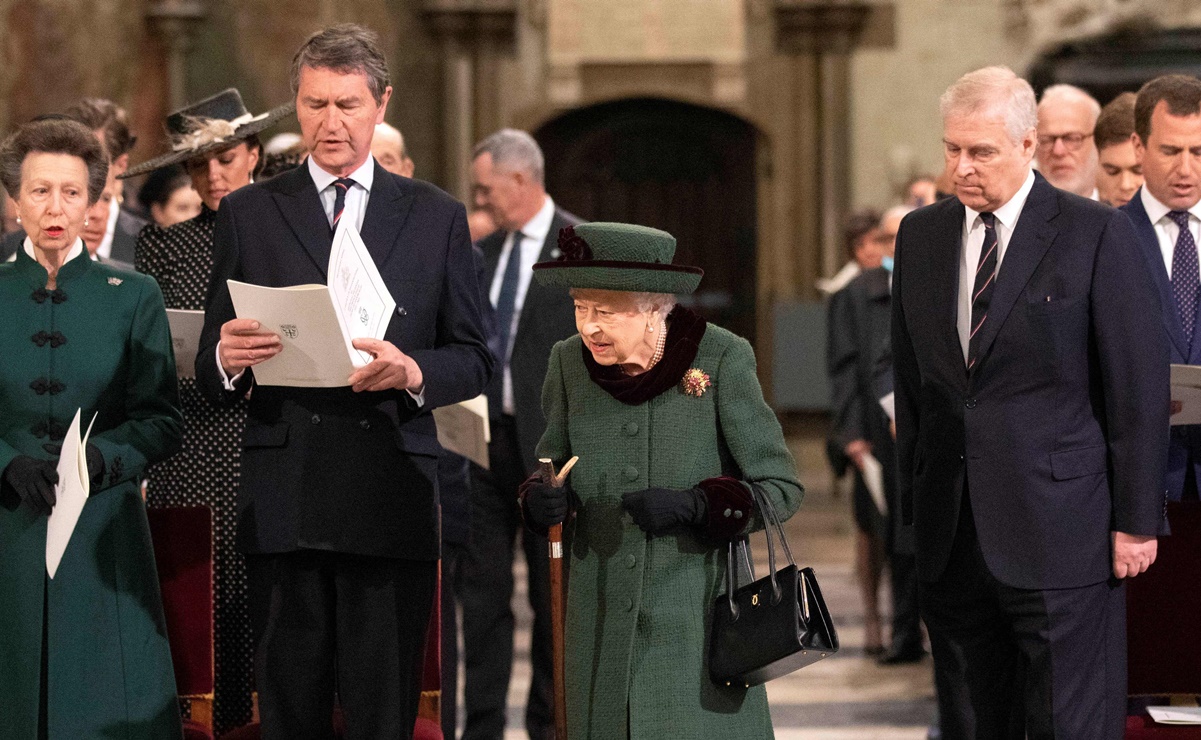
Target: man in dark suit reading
[(1032, 414), (507, 174), (336, 509)]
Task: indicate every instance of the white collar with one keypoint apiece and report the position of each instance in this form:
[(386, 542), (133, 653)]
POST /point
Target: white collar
[(1008, 213), (364, 175), (76, 250), (538, 227), (1157, 211)]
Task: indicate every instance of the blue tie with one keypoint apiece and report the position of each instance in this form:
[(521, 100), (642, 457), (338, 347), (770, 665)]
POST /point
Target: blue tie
[(1186, 276), (341, 185), (506, 302)]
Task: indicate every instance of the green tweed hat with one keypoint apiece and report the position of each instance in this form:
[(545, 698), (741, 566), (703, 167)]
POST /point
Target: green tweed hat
[(611, 256)]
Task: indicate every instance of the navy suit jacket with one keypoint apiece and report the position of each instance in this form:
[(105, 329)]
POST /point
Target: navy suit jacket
[(1184, 439), (1058, 434), (328, 468)]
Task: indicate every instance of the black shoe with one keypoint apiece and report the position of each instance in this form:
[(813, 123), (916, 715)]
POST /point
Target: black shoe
[(903, 657)]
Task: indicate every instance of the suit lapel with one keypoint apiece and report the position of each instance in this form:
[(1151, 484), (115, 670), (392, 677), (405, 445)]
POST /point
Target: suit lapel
[(1148, 244), (298, 201), (387, 209), (1027, 246), (529, 306), (944, 272)]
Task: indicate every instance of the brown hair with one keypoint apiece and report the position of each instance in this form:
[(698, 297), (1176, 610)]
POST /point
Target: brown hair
[(106, 116), (1116, 122), (345, 48), (1182, 93), (53, 136), (858, 225)]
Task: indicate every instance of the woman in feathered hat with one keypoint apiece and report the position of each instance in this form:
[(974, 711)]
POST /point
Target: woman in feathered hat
[(668, 420), (217, 141)]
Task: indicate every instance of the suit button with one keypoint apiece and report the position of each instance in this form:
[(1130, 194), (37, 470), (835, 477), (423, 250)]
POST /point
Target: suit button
[(400, 311), (630, 473), (316, 419), (631, 561), (632, 428), (970, 403), (366, 425), (629, 605)]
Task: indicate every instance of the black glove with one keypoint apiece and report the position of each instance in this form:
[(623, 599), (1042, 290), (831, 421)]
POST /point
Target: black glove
[(545, 505), (94, 457), (657, 510), (33, 480)]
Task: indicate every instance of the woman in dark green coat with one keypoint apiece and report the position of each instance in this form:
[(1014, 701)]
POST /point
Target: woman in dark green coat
[(668, 420), (85, 654)]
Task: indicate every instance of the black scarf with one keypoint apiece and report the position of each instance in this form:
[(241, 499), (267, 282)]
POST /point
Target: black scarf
[(684, 332)]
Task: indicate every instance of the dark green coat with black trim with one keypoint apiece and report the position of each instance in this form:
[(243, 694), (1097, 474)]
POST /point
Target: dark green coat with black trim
[(639, 608), (99, 343)]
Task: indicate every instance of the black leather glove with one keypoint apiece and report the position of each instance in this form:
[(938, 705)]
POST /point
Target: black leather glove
[(33, 481), (545, 505), (657, 510), (94, 457)]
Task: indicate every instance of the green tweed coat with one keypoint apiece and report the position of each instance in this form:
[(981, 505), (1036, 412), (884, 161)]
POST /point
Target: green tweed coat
[(100, 343), (639, 607)]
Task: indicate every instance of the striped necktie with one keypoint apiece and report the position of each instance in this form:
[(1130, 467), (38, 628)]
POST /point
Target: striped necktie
[(341, 186), (982, 288)]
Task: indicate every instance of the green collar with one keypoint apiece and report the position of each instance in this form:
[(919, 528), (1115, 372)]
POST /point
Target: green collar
[(37, 275)]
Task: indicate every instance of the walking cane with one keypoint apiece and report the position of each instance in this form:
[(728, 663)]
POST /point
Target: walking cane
[(546, 470)]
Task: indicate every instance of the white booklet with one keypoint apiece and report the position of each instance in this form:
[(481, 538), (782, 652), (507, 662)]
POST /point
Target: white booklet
[(463, 429), (1176, 715), (72, 491), (1186, 395), (873, 478), (318, 323), (185, 338)]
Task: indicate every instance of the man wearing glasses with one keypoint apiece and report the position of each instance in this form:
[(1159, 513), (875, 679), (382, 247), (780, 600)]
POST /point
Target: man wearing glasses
[(1067, 154)]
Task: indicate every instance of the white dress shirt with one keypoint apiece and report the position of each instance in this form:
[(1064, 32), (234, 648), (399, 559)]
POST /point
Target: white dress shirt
[(106, 244), (76, 250), (973, 241), (534, 234), (1166, 230)]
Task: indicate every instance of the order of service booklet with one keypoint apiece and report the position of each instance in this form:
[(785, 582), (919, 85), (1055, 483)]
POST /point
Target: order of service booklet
[(185, 338), (1186, 395), (318, 323), (72, 490), (463, 429)]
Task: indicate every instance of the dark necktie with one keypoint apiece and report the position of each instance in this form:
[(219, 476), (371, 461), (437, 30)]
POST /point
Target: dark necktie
[(1186, 277), (506, 302), (341, 186), (982, 287)]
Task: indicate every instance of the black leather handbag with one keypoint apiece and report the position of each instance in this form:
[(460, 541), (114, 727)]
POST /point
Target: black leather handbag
[(771, 626)]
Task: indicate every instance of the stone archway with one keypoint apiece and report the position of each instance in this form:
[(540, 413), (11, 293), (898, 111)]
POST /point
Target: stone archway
[(684, 168)]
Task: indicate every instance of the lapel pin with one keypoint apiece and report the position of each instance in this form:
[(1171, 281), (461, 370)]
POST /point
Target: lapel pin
[(115, 281)]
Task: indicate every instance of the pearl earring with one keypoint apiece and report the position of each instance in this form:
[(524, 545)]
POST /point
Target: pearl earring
[(85, 222), (650, 328), (18, 219)]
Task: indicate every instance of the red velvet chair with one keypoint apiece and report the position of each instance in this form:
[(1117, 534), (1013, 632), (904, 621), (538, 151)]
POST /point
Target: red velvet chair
[(183, 551), (1163, 637)]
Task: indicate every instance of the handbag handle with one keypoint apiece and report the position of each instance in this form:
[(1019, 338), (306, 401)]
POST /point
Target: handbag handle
[(771, 519)]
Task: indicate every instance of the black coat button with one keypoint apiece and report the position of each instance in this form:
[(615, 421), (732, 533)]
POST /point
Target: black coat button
[(970, 403), (400, 311), (366, 425), (316, 419)]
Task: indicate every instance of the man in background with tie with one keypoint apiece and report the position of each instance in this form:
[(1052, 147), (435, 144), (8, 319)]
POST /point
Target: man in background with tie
[(1167, 216), (507, 173), (337, 502), (1032, 399)]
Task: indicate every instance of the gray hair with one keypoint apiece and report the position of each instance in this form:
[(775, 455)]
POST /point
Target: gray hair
[(346, 48), (993, 90), (1070, 94), (53, 135), (663, 302), (512, 149)]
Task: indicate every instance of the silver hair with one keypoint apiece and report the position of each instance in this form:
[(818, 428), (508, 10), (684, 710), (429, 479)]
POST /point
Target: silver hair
[(663, 302), (1070, 94), (347, 48), (993, 90), (512, 149)]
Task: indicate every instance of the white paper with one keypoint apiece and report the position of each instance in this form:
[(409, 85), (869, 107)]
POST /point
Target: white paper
[(463, 429), (889, 404), (873, 478), (1186, 394), (185, 338), (362, 301), (1176, 715), (74, 486)]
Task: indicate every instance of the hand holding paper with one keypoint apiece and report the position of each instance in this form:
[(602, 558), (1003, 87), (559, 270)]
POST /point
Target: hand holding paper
[(389, 368), (244, 344)]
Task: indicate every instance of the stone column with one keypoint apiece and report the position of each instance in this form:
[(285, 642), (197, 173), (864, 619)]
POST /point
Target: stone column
[(473, 34), (820, 35), (176, 22)]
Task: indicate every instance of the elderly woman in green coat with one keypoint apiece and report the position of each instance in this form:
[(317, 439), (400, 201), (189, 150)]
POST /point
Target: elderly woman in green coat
[(83, 654), (668, 420)]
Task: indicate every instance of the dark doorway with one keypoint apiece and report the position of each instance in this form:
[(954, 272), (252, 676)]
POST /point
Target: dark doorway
[(1118, 61), (681, 168)]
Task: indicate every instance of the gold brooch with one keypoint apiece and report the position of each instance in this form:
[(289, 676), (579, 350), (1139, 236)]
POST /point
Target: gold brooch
[(696, 382)]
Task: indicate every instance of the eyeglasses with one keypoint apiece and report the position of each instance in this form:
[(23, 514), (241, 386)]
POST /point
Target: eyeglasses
[(1071, 142)]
